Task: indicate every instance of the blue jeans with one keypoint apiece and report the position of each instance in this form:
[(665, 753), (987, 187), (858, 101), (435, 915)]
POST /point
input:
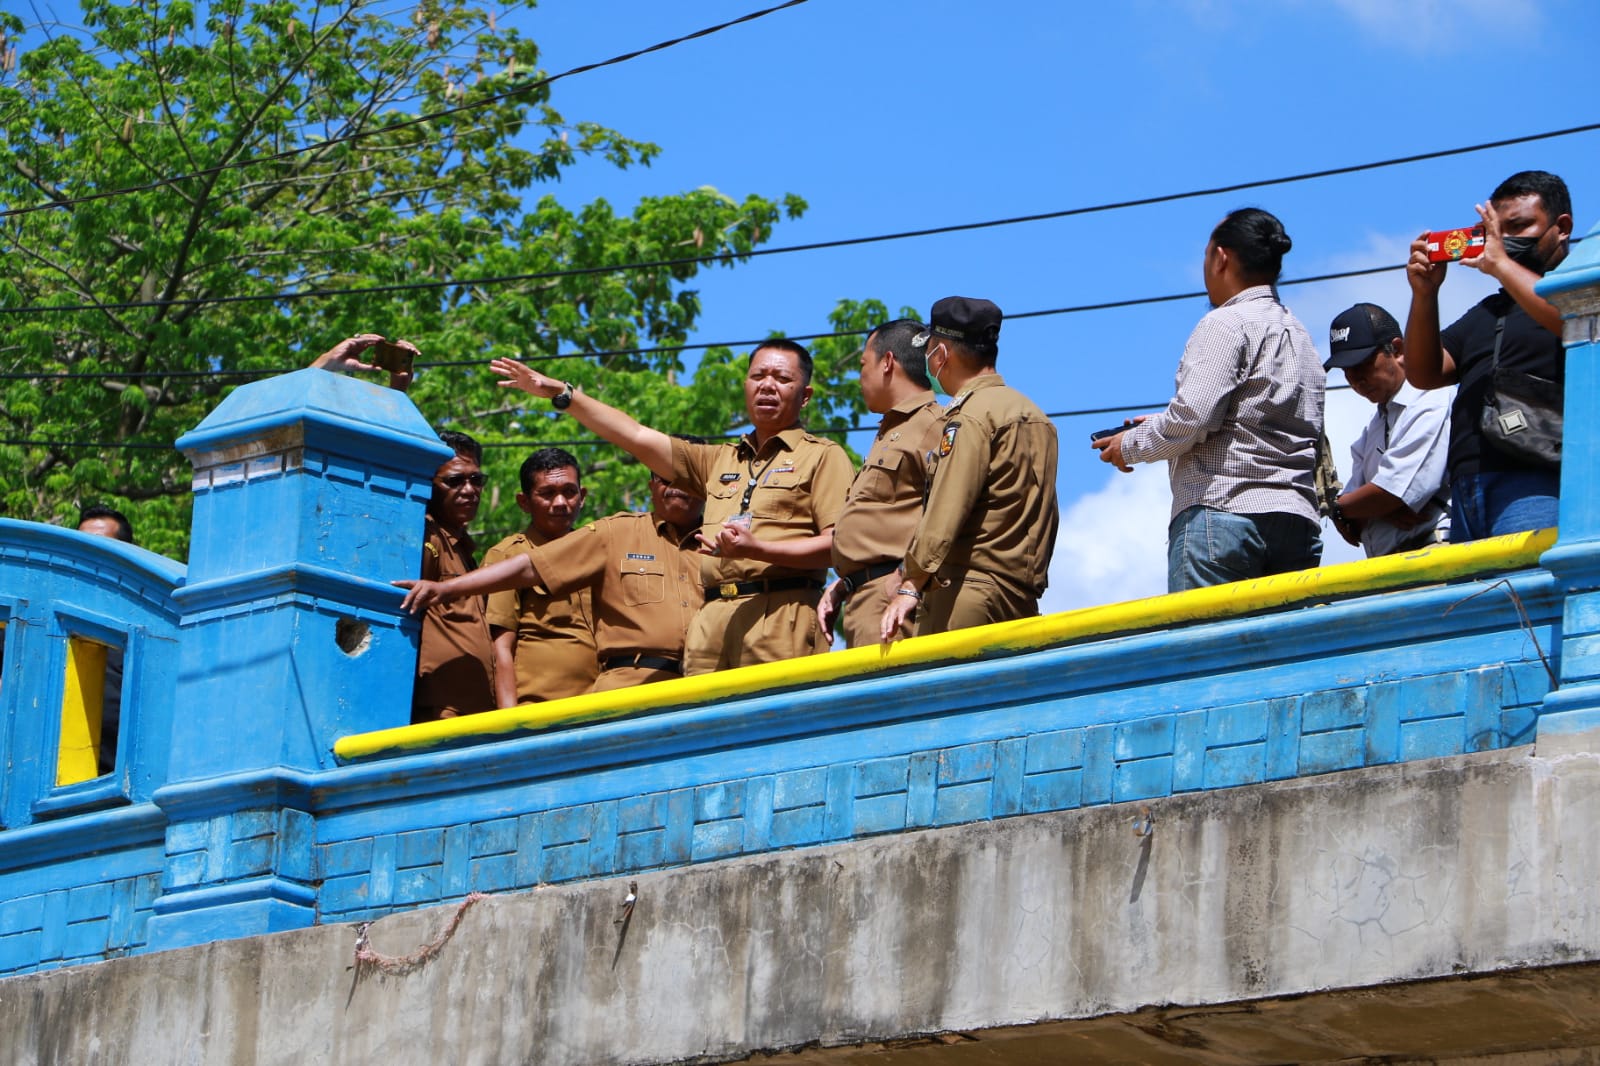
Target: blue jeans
[(1490, 503), (1206, 546)]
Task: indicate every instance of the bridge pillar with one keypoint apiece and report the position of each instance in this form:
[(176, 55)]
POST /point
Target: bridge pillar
[(309, 492), (1570, 718)]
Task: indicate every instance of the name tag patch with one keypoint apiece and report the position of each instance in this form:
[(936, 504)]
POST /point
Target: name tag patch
[(641, 556), (728, 479)]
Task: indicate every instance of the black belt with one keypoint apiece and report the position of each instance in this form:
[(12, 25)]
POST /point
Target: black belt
[(643, 662), (856, 578), (732, 590)]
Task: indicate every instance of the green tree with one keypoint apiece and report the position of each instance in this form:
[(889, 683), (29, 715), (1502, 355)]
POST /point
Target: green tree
[(140, 93)]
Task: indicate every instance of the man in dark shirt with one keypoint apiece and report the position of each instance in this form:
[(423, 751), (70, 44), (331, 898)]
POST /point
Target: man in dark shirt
[(1527, 222)]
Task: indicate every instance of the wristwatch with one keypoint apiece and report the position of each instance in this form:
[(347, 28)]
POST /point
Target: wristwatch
[(563, 399)]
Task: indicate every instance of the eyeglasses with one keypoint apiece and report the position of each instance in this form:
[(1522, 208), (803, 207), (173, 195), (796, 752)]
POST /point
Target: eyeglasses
[(455, 481)]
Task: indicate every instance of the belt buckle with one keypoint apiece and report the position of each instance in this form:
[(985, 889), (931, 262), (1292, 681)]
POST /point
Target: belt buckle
[(729, 590)]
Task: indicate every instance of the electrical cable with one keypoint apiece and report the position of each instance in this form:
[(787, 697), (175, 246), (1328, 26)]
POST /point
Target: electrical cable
[(1138, 301), (586, 442), (623, 268), (413, 121)]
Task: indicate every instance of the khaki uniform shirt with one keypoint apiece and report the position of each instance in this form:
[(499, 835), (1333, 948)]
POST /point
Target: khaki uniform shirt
[(644, 579), (455, 661), (555, 634), (992, 494), (800, 487), (885, 500)]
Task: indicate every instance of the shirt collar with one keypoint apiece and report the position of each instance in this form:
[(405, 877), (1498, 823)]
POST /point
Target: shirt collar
[(788, 438), (1254, 292), (982, 381)]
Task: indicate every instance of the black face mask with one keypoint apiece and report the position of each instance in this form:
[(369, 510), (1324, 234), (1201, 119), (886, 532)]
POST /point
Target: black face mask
[(1525, 251)]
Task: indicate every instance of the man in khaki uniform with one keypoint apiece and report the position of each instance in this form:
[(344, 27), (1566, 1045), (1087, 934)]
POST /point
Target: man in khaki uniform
[(455, 661), (543, 643), (886, 497), (981, 552), (772, 499), (642, 570)]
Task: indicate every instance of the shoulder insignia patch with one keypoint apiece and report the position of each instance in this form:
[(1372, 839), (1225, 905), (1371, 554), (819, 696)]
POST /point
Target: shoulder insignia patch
[(431, 548), (948, 441)]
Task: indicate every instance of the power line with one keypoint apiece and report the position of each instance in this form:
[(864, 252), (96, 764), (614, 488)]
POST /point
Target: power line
[(845, 242), (1108, 305), (587, 442), (405, 124)]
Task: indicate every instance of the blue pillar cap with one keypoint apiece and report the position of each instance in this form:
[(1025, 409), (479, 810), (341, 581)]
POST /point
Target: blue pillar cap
[(1580, 270), (320, 408)]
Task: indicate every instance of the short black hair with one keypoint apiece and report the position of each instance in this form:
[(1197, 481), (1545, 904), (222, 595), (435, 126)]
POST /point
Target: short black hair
[(1551, 191), (1257, 238), (545, 459), (464, 445), (794, 348), (899, 337), (124, 527)]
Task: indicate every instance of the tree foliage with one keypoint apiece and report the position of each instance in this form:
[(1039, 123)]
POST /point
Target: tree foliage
[(234, 120)]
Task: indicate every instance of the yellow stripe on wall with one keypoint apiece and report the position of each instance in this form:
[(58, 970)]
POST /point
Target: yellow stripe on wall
[(1438, 563)]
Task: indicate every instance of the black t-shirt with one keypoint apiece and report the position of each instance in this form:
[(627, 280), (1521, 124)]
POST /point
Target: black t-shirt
[(1526, 346)]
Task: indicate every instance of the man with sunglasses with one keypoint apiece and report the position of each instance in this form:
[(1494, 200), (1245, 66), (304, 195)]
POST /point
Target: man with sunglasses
[(642, 570), (455, 671), (544, 645)]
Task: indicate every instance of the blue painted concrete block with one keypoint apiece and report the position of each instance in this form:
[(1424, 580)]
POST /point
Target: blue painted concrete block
[(800, 788), (1189, 743), (716, 840), (1243, 764), (922, 789), (1322, 753), (603, 840), (20, 951), (346, 857), (641, 850), (419, 849), (564, 862), (970, 762), (635, 813), (1009, 758), (495, 874), (187, 836), (418, 884), (793, 828), (185, 870), (678, 844), (1283, 738), (342, 894), (529, 855), (567, 826), (1055, 751), (879, 776), (1143, 779), (1431, 739), (715, 802), (90, 901), (1098, 764), (86, 940), (21, 915), (1144, 739), (1322, 712), (249, 858), (1058, 791), (758, 810), (456, 872), (1244, 723), (962, 803), (881, 814)]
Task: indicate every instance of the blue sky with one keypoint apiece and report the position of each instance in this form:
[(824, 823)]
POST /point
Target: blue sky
[(889, 115)]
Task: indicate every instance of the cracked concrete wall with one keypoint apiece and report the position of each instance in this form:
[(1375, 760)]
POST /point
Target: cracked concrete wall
[(1357, 880)]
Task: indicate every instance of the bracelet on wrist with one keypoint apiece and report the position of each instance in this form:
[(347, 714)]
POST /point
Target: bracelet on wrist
[(563, 399), (913, 593)]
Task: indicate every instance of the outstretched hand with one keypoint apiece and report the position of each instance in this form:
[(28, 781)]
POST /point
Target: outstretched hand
[(518, 375), (421, 595)]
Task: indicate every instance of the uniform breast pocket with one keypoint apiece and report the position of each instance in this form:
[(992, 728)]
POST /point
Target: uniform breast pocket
[(775, 499), (644, 581), (875, 483)]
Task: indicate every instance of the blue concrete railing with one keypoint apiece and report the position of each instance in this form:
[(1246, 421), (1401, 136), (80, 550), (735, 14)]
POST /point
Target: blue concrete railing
[(264, 779)]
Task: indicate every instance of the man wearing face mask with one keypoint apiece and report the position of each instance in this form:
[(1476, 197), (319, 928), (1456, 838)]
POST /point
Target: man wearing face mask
[(1527, 222), (1396, 498), (981, 551)]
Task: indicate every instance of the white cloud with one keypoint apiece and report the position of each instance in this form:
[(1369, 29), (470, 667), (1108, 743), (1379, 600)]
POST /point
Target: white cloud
[(1113, 542), (1430, 23)]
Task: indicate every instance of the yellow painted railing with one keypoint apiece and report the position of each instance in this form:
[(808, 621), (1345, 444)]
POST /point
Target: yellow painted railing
[(1443, 562)]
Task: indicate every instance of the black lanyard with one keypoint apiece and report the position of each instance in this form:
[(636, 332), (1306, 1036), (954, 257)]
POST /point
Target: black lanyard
[(750, 485)]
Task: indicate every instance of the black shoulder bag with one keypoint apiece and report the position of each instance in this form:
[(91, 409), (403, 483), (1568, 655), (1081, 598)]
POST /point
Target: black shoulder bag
[(1521, 414)]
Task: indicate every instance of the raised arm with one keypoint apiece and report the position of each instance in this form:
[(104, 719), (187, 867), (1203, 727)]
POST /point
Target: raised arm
[(514, 572), (651, 447)]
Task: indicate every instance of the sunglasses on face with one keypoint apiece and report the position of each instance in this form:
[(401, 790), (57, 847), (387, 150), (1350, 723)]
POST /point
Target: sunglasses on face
[(455, 481)]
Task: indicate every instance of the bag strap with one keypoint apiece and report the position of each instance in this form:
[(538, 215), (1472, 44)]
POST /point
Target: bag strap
[(1499, 335)]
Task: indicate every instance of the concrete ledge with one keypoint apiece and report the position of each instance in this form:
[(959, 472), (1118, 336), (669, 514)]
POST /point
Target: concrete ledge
[(1265, 923)]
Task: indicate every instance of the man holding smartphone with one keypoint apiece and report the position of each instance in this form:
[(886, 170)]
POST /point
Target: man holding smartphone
[(1527, 223)]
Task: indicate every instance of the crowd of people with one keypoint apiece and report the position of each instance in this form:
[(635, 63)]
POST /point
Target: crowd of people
[(951, 520)]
